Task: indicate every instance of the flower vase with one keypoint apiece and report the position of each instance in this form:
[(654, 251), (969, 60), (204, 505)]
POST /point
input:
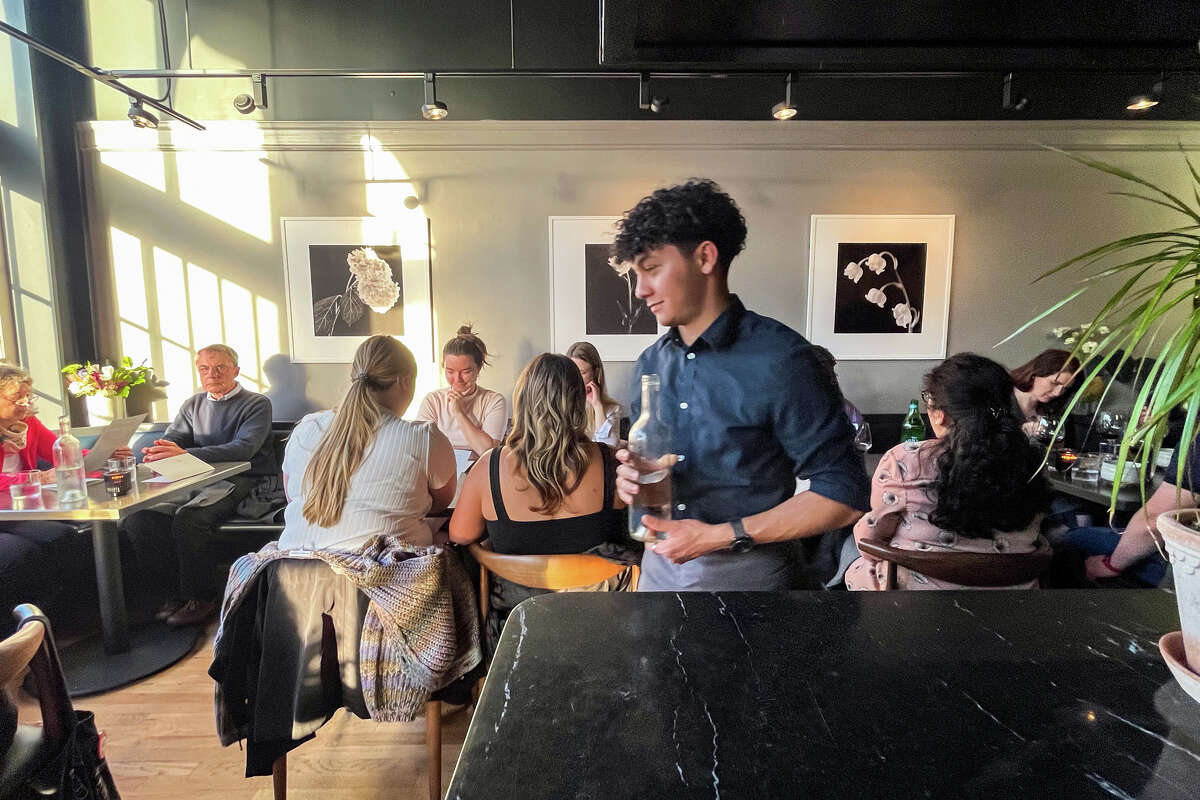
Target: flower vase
[(1183, 547), (103, 410)]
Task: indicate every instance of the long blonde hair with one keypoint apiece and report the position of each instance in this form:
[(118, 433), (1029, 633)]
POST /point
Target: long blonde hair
[(549, 436), (379, 362), (587, 352)]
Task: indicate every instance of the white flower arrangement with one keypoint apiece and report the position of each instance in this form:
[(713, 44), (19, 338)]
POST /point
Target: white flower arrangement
[(1072, 335)]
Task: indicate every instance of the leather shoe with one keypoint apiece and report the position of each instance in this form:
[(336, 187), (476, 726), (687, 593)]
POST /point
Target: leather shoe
[(193, 612), (167, 609)]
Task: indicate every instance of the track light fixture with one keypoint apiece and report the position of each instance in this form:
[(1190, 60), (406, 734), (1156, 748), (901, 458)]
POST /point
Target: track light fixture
[(1009, 100), (433, 109), (785, 110), (246, 103), (140, 117), (1144, 102), (646, 101)]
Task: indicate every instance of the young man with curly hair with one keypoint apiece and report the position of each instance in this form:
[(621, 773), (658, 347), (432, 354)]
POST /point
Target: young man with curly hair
[(749, 407)]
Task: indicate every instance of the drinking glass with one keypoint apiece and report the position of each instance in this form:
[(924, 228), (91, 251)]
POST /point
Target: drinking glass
[(26, 491), (1087, 469), (1109, 448), (1064, 459), (1045, 432), (119, 476), (862, 437)]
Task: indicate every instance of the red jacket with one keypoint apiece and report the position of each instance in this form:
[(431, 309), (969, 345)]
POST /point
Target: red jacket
[(39, 444)]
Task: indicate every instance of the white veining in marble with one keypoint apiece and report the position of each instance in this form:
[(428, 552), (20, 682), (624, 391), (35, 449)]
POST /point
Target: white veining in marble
[(993, 717)]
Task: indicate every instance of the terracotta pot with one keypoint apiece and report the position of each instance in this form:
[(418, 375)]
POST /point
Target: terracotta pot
[(1183, 546)]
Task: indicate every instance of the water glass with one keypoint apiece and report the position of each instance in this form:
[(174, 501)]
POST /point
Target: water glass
[(862, 437), (26, 491), (1109, 448), (1087, 469), (119, 476)]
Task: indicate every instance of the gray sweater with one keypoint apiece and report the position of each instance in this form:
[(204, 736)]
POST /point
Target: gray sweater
[(235, 429)]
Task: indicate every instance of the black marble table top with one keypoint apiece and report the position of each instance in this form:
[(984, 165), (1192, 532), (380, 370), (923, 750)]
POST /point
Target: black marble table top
[(834, 694)]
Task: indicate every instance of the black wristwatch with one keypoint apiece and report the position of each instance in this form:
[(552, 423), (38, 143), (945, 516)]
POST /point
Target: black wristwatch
[(741, 540)]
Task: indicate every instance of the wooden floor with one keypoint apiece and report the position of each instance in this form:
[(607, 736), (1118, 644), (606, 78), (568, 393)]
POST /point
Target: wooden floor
[(162, 743)]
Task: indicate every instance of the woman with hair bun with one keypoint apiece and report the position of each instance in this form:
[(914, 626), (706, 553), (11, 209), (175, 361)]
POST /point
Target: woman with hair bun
[(976, 488), (360, 470), (472, 417)]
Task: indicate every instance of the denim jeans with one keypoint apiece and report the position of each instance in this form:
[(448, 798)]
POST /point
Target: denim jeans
[(1103, 541)]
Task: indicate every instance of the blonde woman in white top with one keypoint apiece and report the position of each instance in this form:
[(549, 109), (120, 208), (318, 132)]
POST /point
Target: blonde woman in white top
[(360, 470), (604, 413), (473, 418)]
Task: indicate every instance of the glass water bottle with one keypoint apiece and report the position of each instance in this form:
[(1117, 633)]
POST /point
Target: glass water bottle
[(70, 481), (650, 440), (913, 428)]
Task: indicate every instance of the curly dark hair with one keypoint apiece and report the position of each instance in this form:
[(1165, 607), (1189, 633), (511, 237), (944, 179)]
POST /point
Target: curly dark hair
[(988, 476), (684, 216)]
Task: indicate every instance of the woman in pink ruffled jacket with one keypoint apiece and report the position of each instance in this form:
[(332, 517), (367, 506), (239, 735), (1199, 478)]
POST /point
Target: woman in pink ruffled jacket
[(975, 488)]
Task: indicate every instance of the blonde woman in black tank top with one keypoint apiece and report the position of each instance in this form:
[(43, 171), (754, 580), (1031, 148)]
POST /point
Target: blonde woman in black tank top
[(548, 488)]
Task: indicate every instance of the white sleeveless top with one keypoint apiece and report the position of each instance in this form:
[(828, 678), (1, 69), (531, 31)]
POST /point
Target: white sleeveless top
[(389, 492)]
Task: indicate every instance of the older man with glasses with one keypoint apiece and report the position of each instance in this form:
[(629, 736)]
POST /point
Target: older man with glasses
[(225, 422)]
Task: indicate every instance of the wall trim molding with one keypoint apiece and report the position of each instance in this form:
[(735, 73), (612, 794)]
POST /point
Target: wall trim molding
[(253, 136)]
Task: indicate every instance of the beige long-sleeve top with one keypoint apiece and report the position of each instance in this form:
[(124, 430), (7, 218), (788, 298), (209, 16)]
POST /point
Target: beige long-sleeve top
[(488, 410)]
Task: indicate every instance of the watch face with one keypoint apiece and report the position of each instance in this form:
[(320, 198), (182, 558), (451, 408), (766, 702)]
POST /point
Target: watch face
[(741, 544)]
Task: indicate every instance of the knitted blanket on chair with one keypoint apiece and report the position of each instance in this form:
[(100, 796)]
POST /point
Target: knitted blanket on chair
[(421, 630)]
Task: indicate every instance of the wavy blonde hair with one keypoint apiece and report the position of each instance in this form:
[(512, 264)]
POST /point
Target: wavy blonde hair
[(587, 352), (379, 362), (549, 436)]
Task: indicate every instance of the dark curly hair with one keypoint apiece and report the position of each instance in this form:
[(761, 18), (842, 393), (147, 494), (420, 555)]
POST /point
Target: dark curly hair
[(988, 476), (685, 215)]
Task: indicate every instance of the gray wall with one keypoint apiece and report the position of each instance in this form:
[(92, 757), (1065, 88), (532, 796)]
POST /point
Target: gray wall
[(488, 188)]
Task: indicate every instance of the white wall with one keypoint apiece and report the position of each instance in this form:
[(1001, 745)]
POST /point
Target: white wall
[(213, 199)]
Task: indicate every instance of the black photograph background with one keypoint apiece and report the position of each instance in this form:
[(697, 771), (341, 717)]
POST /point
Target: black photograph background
[(853, 313), (337, 312), (611, 308)]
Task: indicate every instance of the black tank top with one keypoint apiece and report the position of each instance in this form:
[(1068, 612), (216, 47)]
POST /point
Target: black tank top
[(553, 536)]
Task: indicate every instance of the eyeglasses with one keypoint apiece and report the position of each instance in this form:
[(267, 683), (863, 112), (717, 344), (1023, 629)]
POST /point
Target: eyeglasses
[(25, 400), (927, 399), (218, 369)]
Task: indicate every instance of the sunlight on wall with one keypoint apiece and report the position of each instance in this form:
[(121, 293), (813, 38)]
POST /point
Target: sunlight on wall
[(29, 245), (388, 185), (123, 34), (171, 290), (179, 370), (147, 167), (267, 316), (130, 278), (237, 312), (204, 302), (232, 186)]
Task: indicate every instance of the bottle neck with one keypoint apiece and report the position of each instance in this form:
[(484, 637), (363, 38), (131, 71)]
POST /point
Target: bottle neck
[(64, 426), (650, 401)]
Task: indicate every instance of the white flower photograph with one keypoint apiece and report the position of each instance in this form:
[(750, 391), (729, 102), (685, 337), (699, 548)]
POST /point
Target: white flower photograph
[(881, 288), (356, 289), (611, 306), (353, 277), (879, 285)]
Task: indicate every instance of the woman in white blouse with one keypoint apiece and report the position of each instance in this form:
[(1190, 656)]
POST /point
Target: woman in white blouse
[(360, 470), (473, 418), (603, 411)]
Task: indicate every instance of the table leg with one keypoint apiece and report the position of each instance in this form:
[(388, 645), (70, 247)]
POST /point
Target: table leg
[(114, 619)]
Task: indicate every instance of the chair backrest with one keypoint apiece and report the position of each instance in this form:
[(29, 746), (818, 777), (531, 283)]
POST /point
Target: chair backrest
[(58, 715), (966, 569), (547, 572), (18, 650)]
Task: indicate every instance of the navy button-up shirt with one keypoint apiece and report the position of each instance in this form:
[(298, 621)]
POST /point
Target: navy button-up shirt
[(750, 410)]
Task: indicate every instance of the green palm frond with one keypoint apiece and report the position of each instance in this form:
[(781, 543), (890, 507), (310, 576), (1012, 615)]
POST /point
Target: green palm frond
[(1157, 278)]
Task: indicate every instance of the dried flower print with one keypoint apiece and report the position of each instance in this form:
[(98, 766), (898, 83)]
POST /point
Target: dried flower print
[(904, 312), (631, 310)]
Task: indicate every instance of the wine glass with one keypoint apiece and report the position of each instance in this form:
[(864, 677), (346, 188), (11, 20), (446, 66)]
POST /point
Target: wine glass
[(1047, 430), (862, 436)]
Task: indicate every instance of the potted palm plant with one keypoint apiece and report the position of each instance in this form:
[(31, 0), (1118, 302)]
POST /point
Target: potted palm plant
[(1154, 308)]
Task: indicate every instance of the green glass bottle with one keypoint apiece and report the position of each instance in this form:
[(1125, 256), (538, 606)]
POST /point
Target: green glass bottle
[(913, 429)]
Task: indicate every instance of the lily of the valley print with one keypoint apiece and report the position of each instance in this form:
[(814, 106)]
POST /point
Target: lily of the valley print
[(881, 287), (357, 291)]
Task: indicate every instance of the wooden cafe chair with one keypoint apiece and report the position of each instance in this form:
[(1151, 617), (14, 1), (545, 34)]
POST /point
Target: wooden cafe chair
[(566, 571), (981, 570)]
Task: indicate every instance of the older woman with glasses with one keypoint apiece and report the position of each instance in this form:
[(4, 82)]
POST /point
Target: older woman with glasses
[(40, 562)]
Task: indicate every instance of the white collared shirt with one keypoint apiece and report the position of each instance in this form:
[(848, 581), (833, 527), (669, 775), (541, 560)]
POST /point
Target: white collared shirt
[(237, 387)]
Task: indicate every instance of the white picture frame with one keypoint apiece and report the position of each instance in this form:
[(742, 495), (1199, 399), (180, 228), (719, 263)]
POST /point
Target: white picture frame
[(315, 243), (585, 305), (861, 270)]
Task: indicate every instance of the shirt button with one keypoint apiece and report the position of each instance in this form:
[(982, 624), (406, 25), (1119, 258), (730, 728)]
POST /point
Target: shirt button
[(683, 406), (681, 507), (691, 356)]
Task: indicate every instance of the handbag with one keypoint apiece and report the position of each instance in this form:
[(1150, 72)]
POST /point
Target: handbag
[(78, 771)]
